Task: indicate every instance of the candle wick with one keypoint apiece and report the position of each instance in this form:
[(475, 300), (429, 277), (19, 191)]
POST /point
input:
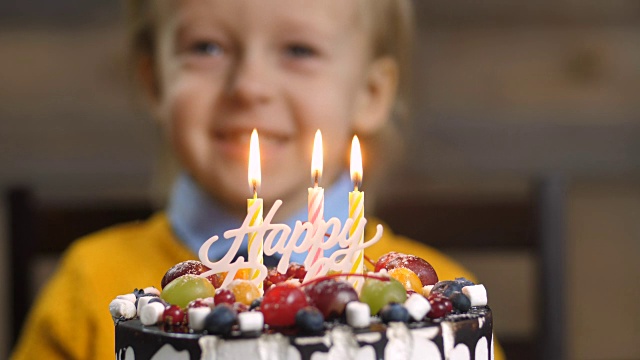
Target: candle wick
[(255, 189), (356, 182), (315, 178)]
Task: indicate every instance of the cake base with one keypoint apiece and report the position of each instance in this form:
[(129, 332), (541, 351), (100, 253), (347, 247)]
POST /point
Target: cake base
[(457, 336)]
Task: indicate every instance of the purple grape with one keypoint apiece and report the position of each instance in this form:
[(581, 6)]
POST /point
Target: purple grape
[(331, 297)]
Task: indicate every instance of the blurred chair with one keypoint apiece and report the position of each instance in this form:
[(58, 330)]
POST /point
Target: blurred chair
[(534, 225), (38, 230)]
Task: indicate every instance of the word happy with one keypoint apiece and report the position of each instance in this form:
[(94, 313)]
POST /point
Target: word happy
[(281, 239)]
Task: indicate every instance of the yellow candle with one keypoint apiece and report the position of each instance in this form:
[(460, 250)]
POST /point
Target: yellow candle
[(356, 203), (254, 205)]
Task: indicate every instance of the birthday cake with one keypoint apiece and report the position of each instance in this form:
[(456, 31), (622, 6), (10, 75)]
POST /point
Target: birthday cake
[(326, 308), (324, 318)]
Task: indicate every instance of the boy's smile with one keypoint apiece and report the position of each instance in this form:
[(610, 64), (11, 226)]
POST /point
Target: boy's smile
[(285, 67)]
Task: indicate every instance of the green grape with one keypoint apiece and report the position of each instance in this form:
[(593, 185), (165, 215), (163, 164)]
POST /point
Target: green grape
[(187, 288), (377, 293)]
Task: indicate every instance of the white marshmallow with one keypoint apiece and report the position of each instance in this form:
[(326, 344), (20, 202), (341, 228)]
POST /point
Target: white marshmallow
[(426, 290), (358, 314), (142, 301), (151, 290), (418, 306), (250, 321), (197, 316), (477, 294), (129, 297), (151, 314), (120, 308)]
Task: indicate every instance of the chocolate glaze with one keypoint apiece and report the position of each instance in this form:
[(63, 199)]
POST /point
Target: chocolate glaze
[(147, 340)]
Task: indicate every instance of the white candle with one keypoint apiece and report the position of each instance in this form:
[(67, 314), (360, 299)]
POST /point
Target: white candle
[(316, 199)]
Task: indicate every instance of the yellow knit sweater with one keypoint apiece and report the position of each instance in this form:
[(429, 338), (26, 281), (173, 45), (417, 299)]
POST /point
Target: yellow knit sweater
[(71, 319)]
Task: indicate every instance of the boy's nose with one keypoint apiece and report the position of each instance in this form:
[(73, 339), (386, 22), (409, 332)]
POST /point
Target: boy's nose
[(249, 81)]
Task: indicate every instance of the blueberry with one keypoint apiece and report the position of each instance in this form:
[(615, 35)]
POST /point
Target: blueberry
[(447, 287), (220, 320), (394, 312), (309, 320), (158, 300), (464, 281), (460, 301), (255, 303)]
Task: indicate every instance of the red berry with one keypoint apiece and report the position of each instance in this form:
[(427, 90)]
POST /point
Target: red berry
[(173, 315), (224, 296), (197, 303), (274, 278), (216, 280), (296, 271), (448, 305), (281, 303), (440, 306), (240, 307), (437, 311)]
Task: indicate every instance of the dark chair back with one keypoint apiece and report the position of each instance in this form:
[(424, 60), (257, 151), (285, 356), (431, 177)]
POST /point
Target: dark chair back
[(534, 224), (38, 228)]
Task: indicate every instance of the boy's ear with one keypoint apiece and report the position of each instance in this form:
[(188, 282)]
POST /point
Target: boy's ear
[(378, 96)]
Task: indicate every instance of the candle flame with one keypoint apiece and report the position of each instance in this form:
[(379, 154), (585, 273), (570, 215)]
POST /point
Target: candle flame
[(316, 159), (356, 162), (255, 175)]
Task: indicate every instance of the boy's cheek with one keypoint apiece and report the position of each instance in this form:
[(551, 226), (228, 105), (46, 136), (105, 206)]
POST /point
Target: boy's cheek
[(187, 99)]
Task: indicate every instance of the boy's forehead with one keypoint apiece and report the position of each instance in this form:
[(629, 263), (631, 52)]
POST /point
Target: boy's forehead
[(335, 15)]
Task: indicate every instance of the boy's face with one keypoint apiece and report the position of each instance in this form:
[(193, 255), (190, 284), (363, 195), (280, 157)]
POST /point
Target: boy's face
[(285, 67)]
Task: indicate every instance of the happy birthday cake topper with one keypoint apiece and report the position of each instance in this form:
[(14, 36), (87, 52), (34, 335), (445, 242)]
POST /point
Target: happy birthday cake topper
[(265, 238), (281, 239)]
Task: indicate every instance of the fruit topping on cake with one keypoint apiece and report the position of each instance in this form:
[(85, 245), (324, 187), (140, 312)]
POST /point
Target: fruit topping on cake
[(192, 267), (309, 320), (404, 288), (331, 297), (225, 296), (295, 271), (419, 266), (378, 293), (186, 288), (407, 278), (281, 303), (244, 291)]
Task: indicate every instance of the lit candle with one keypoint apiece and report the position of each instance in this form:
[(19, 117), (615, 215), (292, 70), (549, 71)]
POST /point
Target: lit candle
[(254, 205), (356, 202), (316, 198)]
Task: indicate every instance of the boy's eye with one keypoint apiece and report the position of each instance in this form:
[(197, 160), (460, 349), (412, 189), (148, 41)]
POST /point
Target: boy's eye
[(206, 48), (298, 50)]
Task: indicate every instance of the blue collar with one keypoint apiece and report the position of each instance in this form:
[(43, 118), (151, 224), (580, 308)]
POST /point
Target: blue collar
[(195, 217)]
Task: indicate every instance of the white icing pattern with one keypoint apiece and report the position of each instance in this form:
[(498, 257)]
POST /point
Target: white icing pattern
[(166, 352)]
